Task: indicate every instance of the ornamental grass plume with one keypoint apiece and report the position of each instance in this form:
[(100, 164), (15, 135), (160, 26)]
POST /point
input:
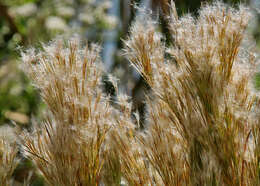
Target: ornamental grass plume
[(70, 147), (203, 116), (202, 120), (8, 161)]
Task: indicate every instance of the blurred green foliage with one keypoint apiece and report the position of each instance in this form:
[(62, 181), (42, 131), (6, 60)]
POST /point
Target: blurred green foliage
[(29, 22), (16, 93), (19, 97), (257, 81), (184, 6)]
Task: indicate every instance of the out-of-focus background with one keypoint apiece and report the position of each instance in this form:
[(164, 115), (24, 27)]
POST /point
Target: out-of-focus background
[(25, 23)]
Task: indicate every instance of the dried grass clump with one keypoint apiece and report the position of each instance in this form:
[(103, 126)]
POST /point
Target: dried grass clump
[(70, 147), (202, 115), (204, 109), (8, 161)]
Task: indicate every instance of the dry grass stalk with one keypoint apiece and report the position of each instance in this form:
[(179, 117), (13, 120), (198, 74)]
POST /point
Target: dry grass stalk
[(69, 148), (204, 108), (8, 161), (202, 116)]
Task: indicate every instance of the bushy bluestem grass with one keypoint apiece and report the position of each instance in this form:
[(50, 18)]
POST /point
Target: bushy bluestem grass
[(69, 148), (8, 161), (204, 110), (202, 120)]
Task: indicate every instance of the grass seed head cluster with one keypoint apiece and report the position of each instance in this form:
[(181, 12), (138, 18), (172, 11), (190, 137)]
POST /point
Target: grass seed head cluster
[(202, 119), (68, 149), (8, 161)]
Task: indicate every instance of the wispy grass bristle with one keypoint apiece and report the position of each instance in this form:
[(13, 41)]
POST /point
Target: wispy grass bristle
[(202, 113)]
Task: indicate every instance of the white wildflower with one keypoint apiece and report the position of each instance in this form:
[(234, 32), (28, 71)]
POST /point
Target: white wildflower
[(86, 18), (111, 21), (56, 23), (25, 10), (65, 11)]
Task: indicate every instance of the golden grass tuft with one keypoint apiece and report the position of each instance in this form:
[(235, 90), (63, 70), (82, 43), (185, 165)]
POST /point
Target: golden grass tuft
[(8, 161), (202, 120)]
